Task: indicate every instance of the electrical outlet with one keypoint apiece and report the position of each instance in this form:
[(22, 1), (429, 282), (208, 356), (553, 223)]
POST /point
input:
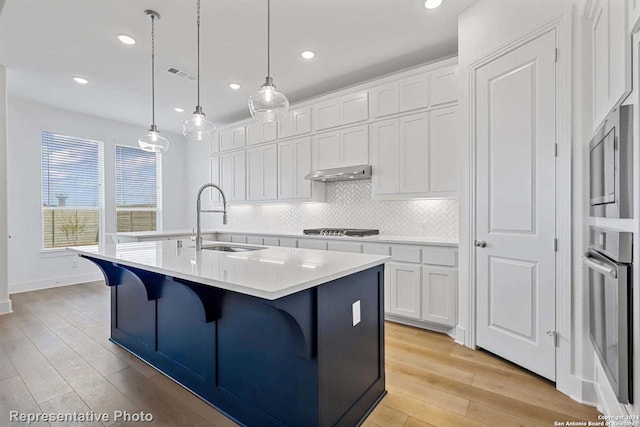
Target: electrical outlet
[(355, 311)]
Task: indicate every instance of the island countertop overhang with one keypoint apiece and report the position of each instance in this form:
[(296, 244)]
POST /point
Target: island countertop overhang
[(270, 272)]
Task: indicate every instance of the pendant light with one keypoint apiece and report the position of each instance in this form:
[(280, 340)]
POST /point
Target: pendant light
[(153, 141), (267, 104), (197, 127)]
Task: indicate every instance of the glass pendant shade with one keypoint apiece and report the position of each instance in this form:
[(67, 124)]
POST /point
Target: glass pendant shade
[(154, 142), (197, 127), (267, 104)]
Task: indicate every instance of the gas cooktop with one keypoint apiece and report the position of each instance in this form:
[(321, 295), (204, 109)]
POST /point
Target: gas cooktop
[(351, 232)]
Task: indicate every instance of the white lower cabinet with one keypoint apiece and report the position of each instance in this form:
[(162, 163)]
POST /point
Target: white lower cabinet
[(404, 289), (312, 244), (439, 295)]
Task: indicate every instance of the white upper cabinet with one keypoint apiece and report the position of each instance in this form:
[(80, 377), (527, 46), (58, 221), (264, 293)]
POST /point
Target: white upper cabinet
[(415, 156), (294, 163), (232, 175), (214, 146), (341, 111), (214, 177), (444, 85), (414, 153), (262, 173), (385, 157), (346, 147), (385, 100), (611, 56), (354, 108), (259, 132), (443, 159), (231, 139), (326, 115), (298, 122), (414, 92)]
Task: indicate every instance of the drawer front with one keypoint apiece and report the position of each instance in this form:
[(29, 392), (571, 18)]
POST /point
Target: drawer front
[(289, 243), (313, 244), (376, 249), (255, 240), (224, 238), (405, 254), (271, 241), (345, 247), (440, 256)]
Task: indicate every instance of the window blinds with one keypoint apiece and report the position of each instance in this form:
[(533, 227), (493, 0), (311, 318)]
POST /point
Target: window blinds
[(136, 189), (71, 192)]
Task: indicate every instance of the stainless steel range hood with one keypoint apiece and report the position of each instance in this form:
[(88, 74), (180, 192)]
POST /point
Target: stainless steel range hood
[(348, 173)]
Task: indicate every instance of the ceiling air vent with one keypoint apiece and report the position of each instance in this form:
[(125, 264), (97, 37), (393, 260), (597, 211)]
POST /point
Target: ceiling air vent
[(181, 73)]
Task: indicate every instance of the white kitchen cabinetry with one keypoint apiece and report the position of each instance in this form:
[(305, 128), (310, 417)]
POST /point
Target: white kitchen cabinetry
[(611, 56), (214, 144), (443, 152), (411, 160), (297, 122), (294, 163), (443, 84), (320, 245), (341, 111), (260, 132), (414, 92), (214, 177), (231, 139), (346, 147), (404, 281), (232, 175), (439, 295), (262, 173), (385, 100)]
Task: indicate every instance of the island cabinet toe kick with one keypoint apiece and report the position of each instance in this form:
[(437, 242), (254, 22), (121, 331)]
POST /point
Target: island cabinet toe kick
[(313, 358)]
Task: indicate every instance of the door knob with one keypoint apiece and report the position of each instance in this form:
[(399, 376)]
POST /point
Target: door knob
[(481, 243)]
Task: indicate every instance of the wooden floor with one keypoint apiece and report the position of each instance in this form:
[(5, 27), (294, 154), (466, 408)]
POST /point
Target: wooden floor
[(55, 357)]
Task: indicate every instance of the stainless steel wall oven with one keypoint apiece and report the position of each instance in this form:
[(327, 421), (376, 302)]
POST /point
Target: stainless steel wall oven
[(609, 260), (611, 172)]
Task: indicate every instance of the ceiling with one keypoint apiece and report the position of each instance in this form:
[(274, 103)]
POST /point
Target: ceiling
[(44, 43)]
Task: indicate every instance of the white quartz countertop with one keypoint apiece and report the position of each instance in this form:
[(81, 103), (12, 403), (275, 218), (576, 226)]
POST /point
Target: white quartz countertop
[(270, 273), (412, 240)]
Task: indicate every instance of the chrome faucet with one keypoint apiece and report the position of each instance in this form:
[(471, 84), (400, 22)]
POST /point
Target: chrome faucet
[(199, 211)]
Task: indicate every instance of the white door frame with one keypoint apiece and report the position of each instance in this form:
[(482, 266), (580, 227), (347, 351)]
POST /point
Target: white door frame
[(563, 27)]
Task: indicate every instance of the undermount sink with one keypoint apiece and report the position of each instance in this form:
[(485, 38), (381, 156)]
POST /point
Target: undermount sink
[(231, 248)]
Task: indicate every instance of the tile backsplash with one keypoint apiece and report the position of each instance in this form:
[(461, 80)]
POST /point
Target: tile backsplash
[(349, 204)]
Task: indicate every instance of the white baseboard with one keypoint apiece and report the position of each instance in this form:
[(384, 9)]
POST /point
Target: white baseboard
[(461, 335), (582, 391), (5, 307), (607, 402), (16, 288), (423, 325)]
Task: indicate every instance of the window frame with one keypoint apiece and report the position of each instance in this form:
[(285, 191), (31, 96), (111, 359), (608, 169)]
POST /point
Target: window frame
[(158, 208), (101, 208)]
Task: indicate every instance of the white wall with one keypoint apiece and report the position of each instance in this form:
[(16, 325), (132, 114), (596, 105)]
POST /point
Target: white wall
[(5, 303), (29, 267), (487, 26)]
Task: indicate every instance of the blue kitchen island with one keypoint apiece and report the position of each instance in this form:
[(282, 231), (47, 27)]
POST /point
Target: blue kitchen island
[(270, 336)]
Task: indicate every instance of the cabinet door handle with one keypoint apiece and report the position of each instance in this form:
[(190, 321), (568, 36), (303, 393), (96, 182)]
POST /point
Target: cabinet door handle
[(480, 244)]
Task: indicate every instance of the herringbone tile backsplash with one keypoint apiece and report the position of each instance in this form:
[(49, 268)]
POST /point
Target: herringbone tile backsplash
[(349, 204)]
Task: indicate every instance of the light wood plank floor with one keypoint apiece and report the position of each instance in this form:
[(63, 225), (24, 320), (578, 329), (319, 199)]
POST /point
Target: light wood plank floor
[(55, 357)]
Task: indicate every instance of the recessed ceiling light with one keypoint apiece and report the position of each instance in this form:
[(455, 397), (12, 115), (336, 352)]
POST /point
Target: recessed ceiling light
[(432, 4), (234, 86), (126, 39), (81, 80), (308, 54), (178, 110)]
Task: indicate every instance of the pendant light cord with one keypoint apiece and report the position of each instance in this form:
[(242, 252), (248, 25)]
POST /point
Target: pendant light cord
[(268, 38), (153, 72), (198, 44)]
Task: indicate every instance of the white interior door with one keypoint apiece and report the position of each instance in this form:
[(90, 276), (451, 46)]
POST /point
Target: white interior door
[(515, 217)]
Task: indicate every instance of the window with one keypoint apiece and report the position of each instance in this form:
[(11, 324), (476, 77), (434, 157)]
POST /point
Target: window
[(136, 189), (71, 191)]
